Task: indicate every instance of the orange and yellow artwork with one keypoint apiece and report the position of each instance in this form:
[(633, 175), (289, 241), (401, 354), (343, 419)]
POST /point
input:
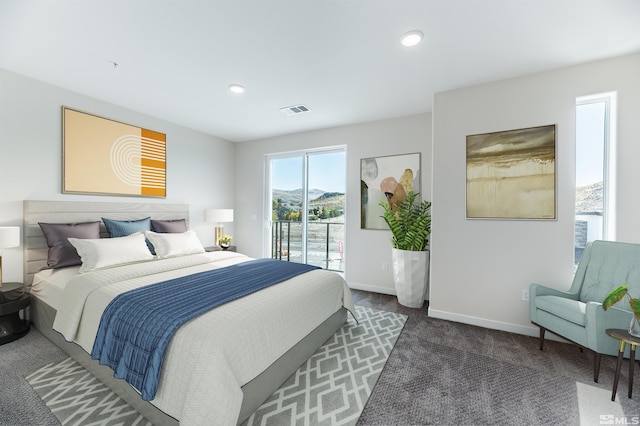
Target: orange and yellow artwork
[(102, 156)]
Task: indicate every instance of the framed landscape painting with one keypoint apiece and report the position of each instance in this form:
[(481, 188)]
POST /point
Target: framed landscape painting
[(512, 174), (107, 157), (385, 179)]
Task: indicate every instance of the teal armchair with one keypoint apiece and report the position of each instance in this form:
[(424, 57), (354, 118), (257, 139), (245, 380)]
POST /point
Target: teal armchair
[(577, 314)]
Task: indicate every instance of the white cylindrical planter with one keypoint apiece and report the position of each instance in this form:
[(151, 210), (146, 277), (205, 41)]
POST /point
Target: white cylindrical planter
[(410, 275)]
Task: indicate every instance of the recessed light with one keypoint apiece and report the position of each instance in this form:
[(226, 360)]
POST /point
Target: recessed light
[(236, 88), (412, 38)]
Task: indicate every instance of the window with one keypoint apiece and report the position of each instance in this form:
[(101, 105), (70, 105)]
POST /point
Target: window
[(306, 199), (595, 186)]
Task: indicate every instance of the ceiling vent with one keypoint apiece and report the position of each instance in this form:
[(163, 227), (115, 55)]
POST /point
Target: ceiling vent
[(294, 109)]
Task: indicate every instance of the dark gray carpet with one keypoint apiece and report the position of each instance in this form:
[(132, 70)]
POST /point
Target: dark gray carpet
[(446, 373), (458, 387), (19, 403)]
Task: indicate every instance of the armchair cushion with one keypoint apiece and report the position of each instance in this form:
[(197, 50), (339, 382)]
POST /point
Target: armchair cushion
[(607, 271), (567, 309)]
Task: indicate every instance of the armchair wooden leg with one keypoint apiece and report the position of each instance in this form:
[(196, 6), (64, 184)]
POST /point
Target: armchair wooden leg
[(542, 330), (596, 366)]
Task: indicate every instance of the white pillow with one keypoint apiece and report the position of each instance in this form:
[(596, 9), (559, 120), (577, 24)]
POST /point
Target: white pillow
[(175, 244), (103, 252)]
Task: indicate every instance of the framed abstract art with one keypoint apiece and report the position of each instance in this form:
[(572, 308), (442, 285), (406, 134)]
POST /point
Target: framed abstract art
[(512, 174), (107, 157), (385, 179)]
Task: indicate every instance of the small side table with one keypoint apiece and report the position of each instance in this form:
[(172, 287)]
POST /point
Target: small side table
[(218, 248), (624, 337), (13, 299)]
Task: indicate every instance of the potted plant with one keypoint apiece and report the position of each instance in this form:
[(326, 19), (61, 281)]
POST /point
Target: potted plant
[(225, 241), (410, 224), (616, 295)]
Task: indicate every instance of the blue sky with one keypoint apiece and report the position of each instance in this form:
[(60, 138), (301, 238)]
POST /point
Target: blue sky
[(326, 172), (589, 150)]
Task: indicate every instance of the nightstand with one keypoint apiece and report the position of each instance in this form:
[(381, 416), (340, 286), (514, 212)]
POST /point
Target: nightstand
[(13, 299), (218, 248)]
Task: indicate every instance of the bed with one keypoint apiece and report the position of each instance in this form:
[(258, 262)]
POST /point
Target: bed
[(220, 366)]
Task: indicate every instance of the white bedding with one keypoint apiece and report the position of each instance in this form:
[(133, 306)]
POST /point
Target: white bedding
[(49, 284), (211, 357)]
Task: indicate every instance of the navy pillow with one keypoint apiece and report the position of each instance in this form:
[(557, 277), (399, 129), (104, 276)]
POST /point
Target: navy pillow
[(175, 226), (61, 252), (122, 228)]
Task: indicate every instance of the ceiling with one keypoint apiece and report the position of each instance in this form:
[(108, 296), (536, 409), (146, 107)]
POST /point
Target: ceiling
[(340, 58)]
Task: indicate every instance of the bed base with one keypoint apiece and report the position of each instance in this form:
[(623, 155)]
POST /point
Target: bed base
[(255, 392)]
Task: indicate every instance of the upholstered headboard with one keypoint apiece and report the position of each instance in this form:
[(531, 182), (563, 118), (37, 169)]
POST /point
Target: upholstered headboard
[(35, 246)]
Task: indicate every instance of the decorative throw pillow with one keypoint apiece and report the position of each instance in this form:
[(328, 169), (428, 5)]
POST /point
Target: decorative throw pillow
[(61, 252), (122, 228), (169, 226), (101, 253), (169, 245)]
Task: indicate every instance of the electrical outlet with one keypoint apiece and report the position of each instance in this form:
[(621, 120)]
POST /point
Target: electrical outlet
[(525, 295), (385, 266)]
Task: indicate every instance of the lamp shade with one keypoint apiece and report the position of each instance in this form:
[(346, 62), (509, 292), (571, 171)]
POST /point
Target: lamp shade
[(9, 236), (218, 215)]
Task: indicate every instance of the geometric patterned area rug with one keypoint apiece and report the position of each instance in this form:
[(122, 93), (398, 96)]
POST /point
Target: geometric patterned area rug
[(331, 388), (75, 397)]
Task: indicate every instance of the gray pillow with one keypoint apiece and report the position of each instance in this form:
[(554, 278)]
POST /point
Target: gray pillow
[(61, 252), (169, 226)]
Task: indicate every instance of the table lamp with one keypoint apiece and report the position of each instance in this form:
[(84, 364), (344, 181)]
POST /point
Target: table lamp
[(219, 216), (9, 237)]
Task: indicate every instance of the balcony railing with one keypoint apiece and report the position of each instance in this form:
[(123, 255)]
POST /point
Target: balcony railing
[(325, 243)]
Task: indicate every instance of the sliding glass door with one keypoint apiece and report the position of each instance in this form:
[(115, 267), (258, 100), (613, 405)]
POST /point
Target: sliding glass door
[(306, 197)]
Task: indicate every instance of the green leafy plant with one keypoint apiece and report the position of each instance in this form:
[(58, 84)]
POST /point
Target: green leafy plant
[(617, 294), (225, 239), (410, 223)]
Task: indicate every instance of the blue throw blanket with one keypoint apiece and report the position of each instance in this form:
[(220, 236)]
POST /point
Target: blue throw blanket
[(136, 326)]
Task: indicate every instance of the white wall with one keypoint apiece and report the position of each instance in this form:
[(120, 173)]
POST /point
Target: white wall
[(365, 250), (479, 267), (199, 166)]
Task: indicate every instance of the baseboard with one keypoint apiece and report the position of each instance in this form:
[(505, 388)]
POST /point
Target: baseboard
[(372, 288), (375, 289), (533, 331)]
